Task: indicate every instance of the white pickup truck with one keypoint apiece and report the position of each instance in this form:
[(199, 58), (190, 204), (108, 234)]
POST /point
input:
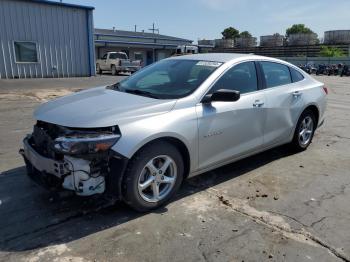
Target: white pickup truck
[(117, 62)]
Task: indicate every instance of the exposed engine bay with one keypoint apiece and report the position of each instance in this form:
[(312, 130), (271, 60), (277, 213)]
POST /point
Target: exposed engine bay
[(78, 158)]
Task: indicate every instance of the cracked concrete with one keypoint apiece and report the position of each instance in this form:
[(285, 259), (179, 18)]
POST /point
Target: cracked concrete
[(275, 206), (278, 223)]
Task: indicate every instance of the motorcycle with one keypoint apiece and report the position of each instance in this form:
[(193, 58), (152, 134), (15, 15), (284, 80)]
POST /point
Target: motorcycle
[(345, 71), (322, 70), (310, 69), (333, 70)]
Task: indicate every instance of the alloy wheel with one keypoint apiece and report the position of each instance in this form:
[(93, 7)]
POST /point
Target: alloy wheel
[(305, 131), (157, 178)]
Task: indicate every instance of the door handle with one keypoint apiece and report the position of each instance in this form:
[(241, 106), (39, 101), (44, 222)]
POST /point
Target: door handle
[(258, 103), (297, 94)]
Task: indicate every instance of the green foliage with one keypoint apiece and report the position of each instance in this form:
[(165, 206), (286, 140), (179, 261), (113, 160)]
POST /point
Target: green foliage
[(298, 29), (245, 34), (328, 51), (230, 33)]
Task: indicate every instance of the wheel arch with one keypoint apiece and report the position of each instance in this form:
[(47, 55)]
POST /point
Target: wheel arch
[(314, 109), (121, 162), (175, 141)]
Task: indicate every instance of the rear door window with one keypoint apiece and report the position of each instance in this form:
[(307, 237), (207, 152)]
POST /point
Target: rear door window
[(276, 74), (296, 76), (113, 56), (122, 56)]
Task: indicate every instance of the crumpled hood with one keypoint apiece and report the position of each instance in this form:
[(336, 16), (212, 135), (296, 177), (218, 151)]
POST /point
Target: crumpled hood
[(100, 107)]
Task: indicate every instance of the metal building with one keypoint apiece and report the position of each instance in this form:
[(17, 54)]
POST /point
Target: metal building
[(245, 41), (303, 39), (205, 42), (272, 40), (337, 37), (206, 46), (45, 39), (148, 47), (224, 43)]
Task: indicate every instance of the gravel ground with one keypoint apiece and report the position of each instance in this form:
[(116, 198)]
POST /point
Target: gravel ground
[(274, 206)]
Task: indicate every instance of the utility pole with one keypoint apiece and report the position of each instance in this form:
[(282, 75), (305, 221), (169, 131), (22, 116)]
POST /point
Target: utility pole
[(135, 28), (153, 29)]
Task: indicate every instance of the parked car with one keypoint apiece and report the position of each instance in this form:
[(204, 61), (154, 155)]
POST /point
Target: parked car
[(117, 62), (138, 139)]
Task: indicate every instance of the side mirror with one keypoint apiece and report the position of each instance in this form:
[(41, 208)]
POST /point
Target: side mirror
[(222, 95)]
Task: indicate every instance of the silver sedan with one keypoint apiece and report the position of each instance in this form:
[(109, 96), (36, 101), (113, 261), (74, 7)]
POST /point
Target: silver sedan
[(138, 139)]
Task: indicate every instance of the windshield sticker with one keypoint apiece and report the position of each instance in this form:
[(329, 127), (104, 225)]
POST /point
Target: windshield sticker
[(208, 63)]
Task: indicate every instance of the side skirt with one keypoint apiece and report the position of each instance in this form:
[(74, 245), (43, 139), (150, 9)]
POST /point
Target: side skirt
[(232, 160)]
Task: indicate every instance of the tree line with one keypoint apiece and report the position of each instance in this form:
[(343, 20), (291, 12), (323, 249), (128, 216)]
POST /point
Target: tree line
[(233, 33)]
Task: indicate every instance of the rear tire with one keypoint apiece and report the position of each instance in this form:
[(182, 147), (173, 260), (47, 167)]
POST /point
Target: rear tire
[(114, 70), (153, 176), (304, 131)]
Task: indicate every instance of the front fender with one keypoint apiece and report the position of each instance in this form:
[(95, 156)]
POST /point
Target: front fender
[(128, 147), (179, 124)]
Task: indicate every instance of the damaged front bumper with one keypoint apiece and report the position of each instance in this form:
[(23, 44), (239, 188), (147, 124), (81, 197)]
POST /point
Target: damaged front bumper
[(82, 176), (41, 169)]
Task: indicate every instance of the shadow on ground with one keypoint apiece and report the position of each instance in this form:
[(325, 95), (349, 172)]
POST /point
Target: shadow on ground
[(30, 218), (109, 73)]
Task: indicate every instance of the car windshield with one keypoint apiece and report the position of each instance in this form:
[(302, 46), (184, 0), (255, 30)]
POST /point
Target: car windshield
[(169, 79)]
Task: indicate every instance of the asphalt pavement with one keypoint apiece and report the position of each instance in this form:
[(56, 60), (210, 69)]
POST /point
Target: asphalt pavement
[(275, 206)]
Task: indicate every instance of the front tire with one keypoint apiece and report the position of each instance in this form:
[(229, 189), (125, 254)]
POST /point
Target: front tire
[(153, 176), (98, 69), (304, 131)]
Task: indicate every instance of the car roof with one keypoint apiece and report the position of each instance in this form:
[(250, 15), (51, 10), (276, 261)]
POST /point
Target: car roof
[(214, 57)]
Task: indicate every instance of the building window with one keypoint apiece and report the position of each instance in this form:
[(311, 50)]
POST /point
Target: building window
[(26, 52), (138, 56)]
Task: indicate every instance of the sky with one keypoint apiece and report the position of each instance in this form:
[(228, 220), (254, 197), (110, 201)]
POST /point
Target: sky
[(206, 19)]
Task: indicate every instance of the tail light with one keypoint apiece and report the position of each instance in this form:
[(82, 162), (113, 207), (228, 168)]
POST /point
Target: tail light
[(325, 89)]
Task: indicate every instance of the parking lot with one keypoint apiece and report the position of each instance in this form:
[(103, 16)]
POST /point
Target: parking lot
[(274, 206)]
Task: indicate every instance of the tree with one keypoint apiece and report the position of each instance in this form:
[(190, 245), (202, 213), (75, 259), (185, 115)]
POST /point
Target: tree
[(328, 51), (230, 33), (276, 34), (298, 29), (245, 34)]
